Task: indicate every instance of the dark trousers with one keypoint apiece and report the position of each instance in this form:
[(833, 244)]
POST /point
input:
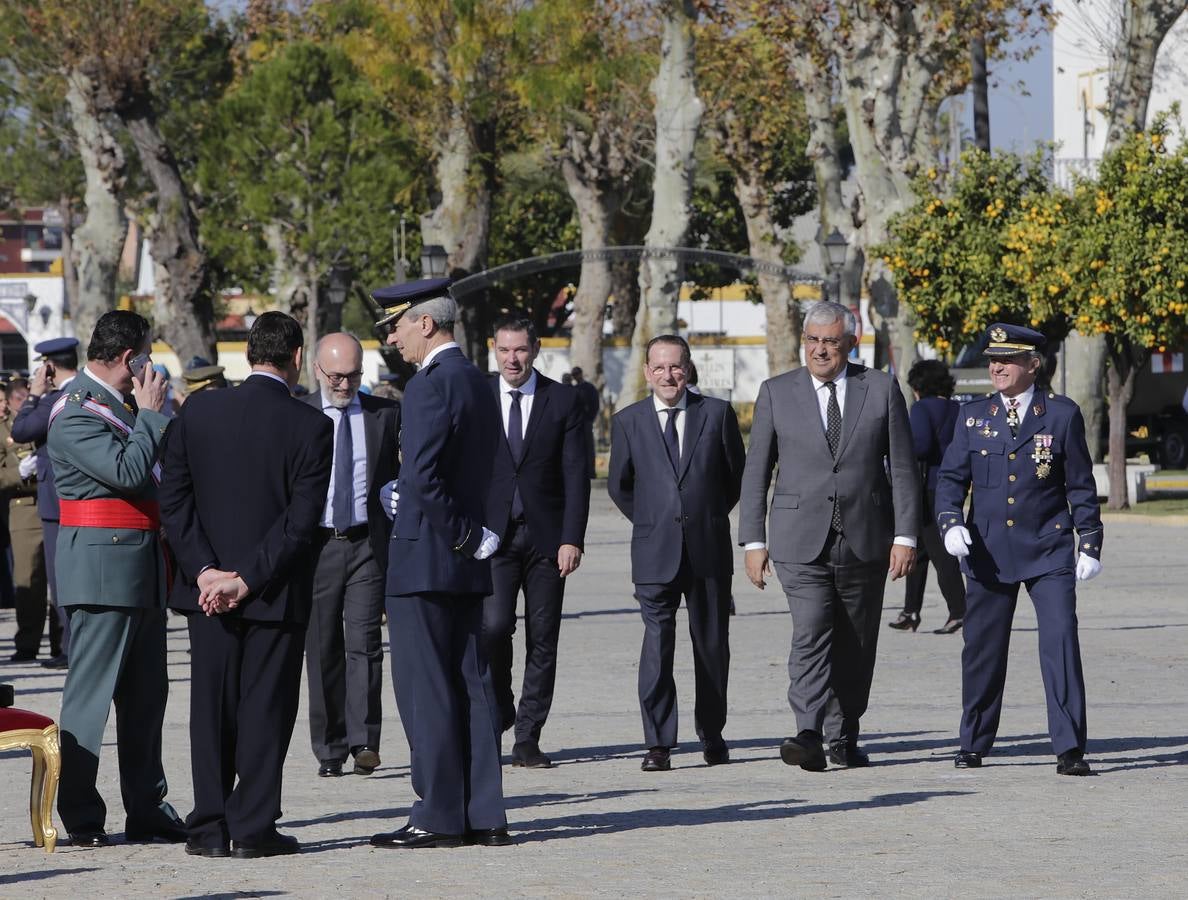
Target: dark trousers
[(245, 682), (344, 649), (119, 656), (835, 601), (49, 531), (990, 610), (518, 566), (707, 602), (447, 707), (931, 547), (29, 580)]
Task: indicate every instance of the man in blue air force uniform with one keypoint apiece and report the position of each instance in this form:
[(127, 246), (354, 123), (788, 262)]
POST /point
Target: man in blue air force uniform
[(1023, 452)]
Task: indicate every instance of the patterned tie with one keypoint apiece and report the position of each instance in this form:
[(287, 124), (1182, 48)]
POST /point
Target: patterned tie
[(1013, 416), (344, 474), (671, 442), (833, 436), (515, 442)]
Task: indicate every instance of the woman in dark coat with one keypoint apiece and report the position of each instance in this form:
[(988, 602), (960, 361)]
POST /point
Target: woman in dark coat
[(933, 417)]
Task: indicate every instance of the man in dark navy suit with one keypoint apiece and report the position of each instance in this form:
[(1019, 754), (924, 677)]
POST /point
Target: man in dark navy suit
[(245, 480), (31, 426), (676, 471), (439, 570), (539, 502), (1024, 453)]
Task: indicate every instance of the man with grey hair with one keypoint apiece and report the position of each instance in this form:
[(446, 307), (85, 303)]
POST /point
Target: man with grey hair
[(844, 514), (439, 571), (343, 646)]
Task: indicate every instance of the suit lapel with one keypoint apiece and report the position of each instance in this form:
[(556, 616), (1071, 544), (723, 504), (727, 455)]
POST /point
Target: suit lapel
[(1033, 422), (804, 393), (540, 402), (649, 425), (856, 389), (372, 432), (694, 423)]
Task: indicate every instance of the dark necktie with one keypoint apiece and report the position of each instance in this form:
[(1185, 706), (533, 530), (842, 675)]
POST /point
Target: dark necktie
[(515, 443), (671, 442), (833, 436), (344, 474), (1013, 416)]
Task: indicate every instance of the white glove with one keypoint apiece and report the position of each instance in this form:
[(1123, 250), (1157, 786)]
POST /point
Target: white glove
[(957, 541), (28, 466), (388, 499), (1087, 567), (488, 545)]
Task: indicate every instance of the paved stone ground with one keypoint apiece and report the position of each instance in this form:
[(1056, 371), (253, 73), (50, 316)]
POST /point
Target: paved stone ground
[(595, 825)]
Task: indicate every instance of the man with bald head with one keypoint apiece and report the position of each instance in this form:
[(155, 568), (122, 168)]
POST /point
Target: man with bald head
[(342, 644)]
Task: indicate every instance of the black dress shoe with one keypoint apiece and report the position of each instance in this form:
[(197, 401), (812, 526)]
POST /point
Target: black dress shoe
[(489, 837), (22, 656), (847, 755), (170, 832), (330, 770), (56, 662), (950, 627), (805, 751), (367, 761), (276, 845), (657, 759), (527, 755), (1072, 762), (216, 852), (412, 838), (967, 759), (89, 839), (906, 621), (715, 753)]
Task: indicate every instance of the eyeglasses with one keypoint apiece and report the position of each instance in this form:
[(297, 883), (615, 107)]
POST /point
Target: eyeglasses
[(385, 329), (337, 378), (831, 342)]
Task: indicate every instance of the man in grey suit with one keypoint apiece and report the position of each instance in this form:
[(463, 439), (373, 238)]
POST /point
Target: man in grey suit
[(675, 468), (844, 513), (344, 643)]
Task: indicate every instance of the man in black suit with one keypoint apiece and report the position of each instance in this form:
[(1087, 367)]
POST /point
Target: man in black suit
[(589, 401), (539, 503), (675, 471), (246, 474), (438, 573), (343, 647)]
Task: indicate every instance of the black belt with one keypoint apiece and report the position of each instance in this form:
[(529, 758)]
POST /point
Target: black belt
[(351, 534)]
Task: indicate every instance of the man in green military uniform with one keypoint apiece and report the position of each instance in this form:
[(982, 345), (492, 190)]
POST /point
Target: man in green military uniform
[(104, 439)]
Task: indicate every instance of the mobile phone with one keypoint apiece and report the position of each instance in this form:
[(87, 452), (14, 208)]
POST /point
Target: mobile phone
[(49, 369), (137, 364)]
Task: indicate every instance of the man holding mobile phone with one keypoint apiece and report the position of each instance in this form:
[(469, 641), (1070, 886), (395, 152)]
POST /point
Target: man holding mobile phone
[(105, 436), (59, 367)]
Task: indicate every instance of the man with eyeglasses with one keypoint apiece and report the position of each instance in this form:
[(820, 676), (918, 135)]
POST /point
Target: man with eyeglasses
[(844, 515), (343, 644)]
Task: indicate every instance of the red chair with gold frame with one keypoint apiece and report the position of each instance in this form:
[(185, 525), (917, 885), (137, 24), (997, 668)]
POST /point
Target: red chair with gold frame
[(20, 730)]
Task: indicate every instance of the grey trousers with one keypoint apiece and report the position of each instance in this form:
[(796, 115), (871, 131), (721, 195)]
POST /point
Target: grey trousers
[(835, 601), (118, 655), (344, 650)]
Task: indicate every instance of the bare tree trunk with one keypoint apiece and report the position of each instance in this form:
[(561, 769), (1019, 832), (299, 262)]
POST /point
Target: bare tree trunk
[(1121, 389), (69, 270), (780, 310), (183, 308), (625, 289), (678, 116), (1145, 23), (287, 283), (98, 242), (595, 209), (980, 85), (461, 220)]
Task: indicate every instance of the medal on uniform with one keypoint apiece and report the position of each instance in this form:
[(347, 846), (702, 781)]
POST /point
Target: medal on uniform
[(1037, 409), (969, 423), (1042, 455), (993, 409)]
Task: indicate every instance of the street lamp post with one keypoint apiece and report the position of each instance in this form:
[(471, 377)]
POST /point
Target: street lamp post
[(435, 262), (835, 258)]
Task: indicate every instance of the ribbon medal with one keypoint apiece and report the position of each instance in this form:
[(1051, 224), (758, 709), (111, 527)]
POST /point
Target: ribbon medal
[(1042, 455)]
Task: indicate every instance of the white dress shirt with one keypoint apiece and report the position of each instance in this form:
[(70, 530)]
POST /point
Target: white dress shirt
[(436, 350), (358, 455), (1024, 402), (662, 414), (527, 393), (119, 395)]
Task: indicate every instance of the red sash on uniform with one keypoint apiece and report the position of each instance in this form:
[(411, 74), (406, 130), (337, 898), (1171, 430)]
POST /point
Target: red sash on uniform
[(111, 512)]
